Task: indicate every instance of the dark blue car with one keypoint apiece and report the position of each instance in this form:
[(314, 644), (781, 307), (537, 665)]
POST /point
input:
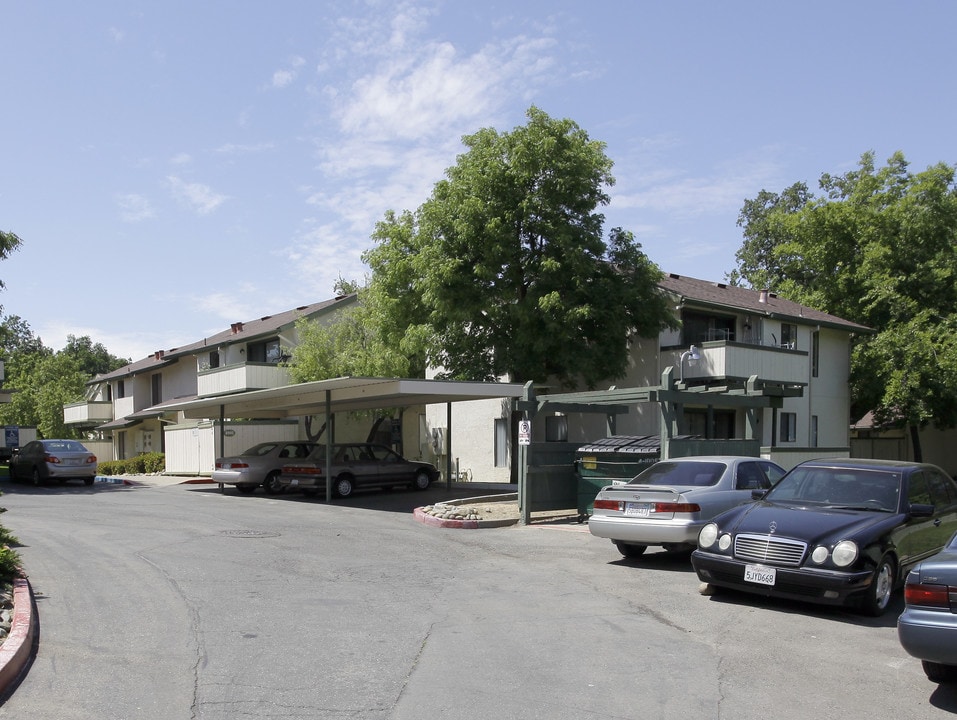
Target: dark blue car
[(832, 531)]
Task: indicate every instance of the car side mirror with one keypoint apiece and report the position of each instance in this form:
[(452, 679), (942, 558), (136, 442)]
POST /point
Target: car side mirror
[(759, 493), (920, 510)]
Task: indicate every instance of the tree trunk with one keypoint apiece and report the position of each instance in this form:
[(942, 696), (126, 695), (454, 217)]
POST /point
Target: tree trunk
[(915, 444)]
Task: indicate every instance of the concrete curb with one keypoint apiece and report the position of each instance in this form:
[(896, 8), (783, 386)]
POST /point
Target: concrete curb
[(17, 650), (432, 521)]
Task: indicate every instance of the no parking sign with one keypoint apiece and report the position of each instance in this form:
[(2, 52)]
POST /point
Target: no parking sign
[(524, 432)]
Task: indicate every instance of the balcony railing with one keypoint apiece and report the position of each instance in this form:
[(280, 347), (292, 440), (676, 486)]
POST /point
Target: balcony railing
[(87, 412), (739, 361), (240, 378)]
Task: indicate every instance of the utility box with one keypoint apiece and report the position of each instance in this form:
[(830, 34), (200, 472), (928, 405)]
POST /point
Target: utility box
[(610, 461)]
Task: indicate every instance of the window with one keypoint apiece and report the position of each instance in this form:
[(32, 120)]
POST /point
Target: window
[(789, 336), (267, 351), (788, 427), (697, 328), (815, 353), (501, 442), (917, 491), (214, 359), (156, 389), (120, 391), (750, 477), (722, 423)]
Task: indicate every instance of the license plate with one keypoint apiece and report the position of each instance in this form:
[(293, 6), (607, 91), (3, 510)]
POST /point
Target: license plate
[(637, 509), (760, 574)]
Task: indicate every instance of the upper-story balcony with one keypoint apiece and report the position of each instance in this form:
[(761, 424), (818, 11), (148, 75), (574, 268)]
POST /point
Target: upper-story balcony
[(240, 378), (82, 413), (728, 360)]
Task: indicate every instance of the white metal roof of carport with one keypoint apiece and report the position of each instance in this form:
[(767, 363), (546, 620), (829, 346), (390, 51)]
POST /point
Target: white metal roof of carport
[(342, 395)]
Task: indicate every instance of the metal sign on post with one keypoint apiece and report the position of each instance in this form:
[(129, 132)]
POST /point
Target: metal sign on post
[(525, 432)]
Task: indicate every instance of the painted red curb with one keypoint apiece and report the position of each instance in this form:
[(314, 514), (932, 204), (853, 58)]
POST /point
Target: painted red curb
[(426, 519), (16, 649)]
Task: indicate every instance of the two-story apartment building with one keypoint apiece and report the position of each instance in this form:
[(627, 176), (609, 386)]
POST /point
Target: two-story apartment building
[(728, 337), (127, 408)]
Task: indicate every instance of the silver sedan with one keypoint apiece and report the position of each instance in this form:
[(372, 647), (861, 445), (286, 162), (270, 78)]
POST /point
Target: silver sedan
[(927, 628), (260, 465), (667, 504)]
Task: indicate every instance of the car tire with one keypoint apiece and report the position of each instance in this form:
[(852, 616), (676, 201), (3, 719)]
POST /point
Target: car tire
[(343, 486), (271, 484), (878, 595), (88, 481), (246, 489), (939, 673), (422, 480), (631, 551), (35, 477)]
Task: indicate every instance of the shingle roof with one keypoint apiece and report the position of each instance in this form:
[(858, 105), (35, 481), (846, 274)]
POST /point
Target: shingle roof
[(239, 331), (721, 295)]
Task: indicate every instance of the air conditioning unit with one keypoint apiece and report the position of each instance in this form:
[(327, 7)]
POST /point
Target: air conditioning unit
[(439, 442)]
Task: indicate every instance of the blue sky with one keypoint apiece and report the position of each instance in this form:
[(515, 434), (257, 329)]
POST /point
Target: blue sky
[(173, 167)]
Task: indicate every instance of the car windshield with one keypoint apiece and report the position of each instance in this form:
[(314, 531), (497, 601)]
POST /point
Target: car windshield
[(64, 446), (853, 488), (261, 449), (698, 474)]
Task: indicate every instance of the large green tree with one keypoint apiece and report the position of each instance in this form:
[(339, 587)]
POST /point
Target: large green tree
[(44, 381), (878, 247), (504, 270)]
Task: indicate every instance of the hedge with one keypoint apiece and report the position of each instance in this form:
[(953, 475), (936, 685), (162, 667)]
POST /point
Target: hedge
[(154, 462)]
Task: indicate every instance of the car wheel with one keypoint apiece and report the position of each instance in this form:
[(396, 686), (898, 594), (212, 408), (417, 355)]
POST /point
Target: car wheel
[(36, 476), (878, 595), (631, 551), (246, 489), (343, 486), (421, 481), (938, 673), (88, 481), (271, 484)]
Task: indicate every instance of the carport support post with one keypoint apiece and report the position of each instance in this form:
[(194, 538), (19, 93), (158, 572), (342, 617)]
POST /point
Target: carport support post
[(448, 446), (524, 494), (222, 440), (330, 439)]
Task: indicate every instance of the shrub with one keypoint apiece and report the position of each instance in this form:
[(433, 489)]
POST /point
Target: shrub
[(146, 463), (9, 565)]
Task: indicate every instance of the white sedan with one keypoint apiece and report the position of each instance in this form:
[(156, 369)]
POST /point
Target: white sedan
[(667, 504)]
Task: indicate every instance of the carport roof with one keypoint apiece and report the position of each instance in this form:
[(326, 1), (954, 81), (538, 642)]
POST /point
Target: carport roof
[(344, 394)]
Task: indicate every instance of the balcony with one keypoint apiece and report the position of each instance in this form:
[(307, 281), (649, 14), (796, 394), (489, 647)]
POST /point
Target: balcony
[(85, 413), (240, 378), (726, 360)]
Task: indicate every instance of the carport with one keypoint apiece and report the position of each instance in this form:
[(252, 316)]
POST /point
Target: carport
[(343, 394)]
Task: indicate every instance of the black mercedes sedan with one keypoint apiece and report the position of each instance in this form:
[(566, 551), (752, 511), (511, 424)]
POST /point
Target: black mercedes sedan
[(837, 532)]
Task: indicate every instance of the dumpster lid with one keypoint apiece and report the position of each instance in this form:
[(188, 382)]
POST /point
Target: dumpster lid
[(628, 444)]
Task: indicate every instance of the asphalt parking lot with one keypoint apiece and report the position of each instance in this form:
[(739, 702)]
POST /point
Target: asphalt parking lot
[(181, 601)]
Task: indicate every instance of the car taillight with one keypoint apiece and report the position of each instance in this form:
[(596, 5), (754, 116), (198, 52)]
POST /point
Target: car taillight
[(231, 466), (52, 459), (929, 595), (91, 459), (677, 507), (608, 505)]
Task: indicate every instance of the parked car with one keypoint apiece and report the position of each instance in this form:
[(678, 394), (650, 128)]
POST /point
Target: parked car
[(832, 531), (60, 460), (927, 628), (668, 503), (260, 465), (357, 465)]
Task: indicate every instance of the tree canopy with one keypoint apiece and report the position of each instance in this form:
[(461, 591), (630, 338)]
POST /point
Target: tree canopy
[(44, 381), (504, 271), (878, 248)]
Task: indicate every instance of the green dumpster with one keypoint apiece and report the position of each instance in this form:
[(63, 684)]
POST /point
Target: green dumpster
[(611, 460)]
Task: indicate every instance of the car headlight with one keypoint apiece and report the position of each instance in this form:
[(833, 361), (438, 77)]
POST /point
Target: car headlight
[(819, 556), (844, 553), (724, 542), (707, 536)]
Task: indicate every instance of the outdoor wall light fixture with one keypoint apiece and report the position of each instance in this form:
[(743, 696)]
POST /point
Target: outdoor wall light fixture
[(690, 355)]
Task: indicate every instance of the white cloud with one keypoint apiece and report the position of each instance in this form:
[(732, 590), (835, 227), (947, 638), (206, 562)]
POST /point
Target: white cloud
[(285, 77), (181, 159), (197, 196), (134, 208), (234, 149)]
